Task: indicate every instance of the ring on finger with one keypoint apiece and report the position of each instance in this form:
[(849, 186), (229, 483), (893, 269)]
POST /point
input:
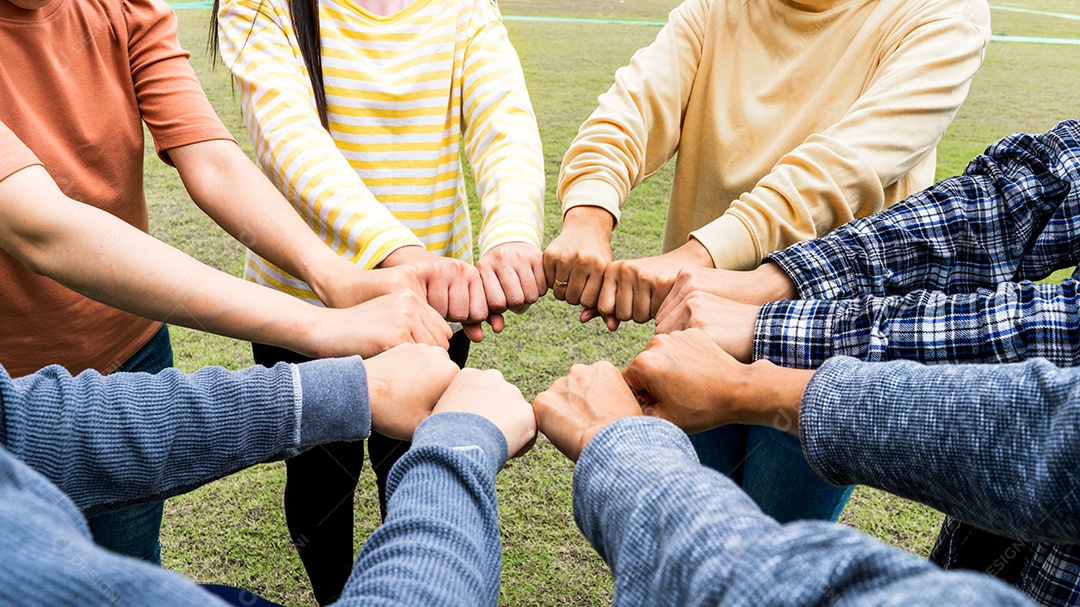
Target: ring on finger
[(562, 283)]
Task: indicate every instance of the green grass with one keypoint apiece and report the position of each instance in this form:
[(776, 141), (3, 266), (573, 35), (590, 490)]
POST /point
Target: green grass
[(233, 531)]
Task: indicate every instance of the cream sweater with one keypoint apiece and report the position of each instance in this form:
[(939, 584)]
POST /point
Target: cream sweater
[(788, 118)]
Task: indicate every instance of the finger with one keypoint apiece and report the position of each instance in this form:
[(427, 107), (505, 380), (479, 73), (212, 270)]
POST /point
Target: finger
[(510, 284), (624, 300), (474, 331), (550, 263), (612, 323), (497, 322), (478, 308), (496, 300), (435, 328), (458, 301), (576, 284), (641, 309), (605, 301), (588, 314), (437, 295), (668, 304), (590, 294), (538, 276)]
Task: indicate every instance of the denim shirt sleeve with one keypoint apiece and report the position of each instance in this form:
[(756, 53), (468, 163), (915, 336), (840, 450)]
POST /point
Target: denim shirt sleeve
[(1010, 323), (1013, 215), (439, 544), (997, 446), (109, 441), (676, 533)]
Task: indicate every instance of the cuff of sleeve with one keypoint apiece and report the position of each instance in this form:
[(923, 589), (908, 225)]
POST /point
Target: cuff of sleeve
[(730, 243), (188, 137), (522, 236), (795, 333), (393, 237), (593, 193), (637, 443), (334, 401), (461, 431), (809, 265), (824, 426)]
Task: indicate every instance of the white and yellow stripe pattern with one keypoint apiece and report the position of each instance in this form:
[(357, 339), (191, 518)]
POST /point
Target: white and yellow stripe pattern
[(404, 93)]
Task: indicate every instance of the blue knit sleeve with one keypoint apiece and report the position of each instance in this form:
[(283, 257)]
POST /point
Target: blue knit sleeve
[(678, 534), (997, 446), (439, 544), (109, 441)]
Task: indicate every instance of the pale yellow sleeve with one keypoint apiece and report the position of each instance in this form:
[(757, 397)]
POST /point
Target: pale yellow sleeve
[(636, 127), (292, 146), (842, 172), (502, 139)]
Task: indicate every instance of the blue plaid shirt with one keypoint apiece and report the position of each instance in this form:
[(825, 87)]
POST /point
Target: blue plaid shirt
[(946, 276)]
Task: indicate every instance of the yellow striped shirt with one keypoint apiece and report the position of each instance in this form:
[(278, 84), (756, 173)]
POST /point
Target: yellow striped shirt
[(404, 93)]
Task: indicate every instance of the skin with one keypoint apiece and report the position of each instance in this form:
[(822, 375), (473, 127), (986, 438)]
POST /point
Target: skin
[(730, 324), (102, 257), (685, 378), (617, 291), (508, 277), (398, 402), (577, 406), (487, 394), (215, 171)]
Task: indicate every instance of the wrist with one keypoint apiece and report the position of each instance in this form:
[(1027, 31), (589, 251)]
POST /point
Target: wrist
[(595, 221), (771, 283), (694, 253), (772, 396), (407, 255)]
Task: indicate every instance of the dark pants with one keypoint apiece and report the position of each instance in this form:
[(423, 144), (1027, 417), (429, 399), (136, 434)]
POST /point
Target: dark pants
[(320, 485)]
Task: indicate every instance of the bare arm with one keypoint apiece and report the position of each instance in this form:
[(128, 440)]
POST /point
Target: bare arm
[(106, 259)]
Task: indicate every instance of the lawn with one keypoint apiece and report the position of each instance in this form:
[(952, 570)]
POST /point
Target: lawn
[(233, 531)]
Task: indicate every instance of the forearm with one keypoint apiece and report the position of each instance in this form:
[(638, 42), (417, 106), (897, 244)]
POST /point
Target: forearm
[(107, 441), (1009, 217), (1012, 323), (991, 445), (106, 259), (236, 195), (677, 533), (441, 506)]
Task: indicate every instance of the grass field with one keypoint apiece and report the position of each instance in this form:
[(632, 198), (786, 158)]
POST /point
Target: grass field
[(233, 531)]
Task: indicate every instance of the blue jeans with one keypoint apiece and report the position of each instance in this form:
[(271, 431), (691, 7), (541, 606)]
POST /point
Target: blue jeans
[(770, 467), (133, 531)]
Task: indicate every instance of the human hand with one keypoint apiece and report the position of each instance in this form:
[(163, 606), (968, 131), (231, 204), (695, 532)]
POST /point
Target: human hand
[(488, 395), (370, 328), (348, 285), (633, 289), (685, 378), (574, 262), (454, 288), (759, 286), (728, 323), (404, 383), (577, 406), (513, 277)]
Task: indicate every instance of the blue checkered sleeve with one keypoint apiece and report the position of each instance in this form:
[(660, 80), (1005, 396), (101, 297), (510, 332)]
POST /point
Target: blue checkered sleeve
[(1012, 323), (1013, 215), (944, 276)]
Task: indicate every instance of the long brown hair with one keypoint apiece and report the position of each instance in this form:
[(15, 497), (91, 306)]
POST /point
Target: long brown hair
[(305, 21)]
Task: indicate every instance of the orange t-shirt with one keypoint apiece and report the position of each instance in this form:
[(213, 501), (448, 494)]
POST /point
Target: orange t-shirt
[(77, 80)]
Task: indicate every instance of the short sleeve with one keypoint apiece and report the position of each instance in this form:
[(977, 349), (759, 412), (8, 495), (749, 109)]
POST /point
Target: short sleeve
[(171, 100), (14, 155)]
